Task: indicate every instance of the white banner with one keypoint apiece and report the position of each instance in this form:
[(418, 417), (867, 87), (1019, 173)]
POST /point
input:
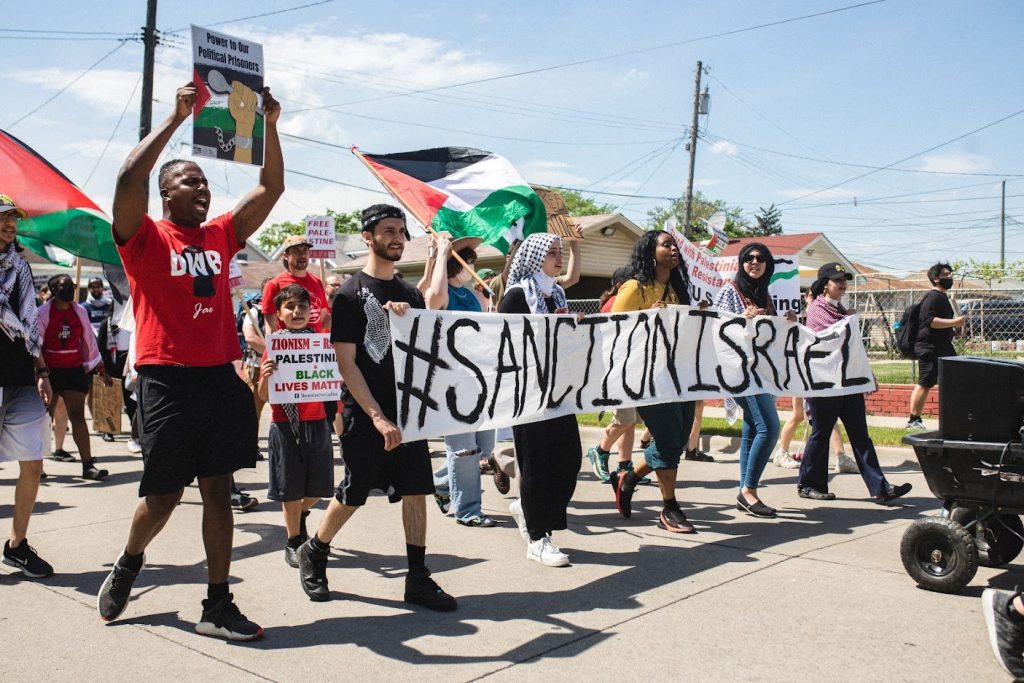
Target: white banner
[(307, 369), (707, 275), (235, 277), (320, 233), (463, 372)]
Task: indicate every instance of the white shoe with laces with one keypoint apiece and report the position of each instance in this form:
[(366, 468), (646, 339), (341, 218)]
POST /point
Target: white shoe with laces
[(516, 509), (846, 465), (134, 446), (784, 460), (547, 553)]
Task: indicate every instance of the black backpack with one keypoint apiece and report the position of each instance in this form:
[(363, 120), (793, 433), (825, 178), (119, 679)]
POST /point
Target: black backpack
[(906, 332)]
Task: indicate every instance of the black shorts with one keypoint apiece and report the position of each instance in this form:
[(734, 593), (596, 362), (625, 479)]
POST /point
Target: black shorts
[(193, 422), (405, 471), (69, 379), (301, 470), (928, 368)]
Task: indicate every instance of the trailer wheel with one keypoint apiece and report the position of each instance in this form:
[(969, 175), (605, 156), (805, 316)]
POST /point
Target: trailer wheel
[(997, 544), (939, 554)]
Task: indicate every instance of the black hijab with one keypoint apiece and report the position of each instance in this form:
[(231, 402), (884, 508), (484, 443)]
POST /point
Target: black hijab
[(756, 291)]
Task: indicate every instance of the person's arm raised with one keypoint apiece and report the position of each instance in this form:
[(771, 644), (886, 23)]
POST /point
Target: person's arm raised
[(130, 192), (254, 207)]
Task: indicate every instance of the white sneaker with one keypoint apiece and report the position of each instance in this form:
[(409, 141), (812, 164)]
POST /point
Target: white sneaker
[(545, 552), (915, 425), (516, 509), (784, 460), (846, 465), (134, 446)]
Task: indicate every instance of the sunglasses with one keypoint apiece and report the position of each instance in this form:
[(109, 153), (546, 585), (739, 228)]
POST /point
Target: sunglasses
[(749, 258)]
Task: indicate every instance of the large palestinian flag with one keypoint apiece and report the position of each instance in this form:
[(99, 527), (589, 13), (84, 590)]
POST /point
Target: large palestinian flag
[(467, 192), (59, 215)]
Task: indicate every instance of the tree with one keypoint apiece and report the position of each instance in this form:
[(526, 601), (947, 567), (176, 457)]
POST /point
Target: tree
[(769, 222), (990, 271), (579, 205), (271, 237), (701, 210)]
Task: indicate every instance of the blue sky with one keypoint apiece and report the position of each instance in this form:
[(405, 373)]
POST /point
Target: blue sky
[(850, 92)]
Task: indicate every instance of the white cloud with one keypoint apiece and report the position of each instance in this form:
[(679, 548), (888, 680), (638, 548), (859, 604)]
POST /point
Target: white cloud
[(724, 147), (632, 75), (955, 162), (707, 182), (547, 172)]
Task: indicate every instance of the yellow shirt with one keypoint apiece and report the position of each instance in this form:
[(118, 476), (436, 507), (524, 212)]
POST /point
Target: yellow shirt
[(633, 296)]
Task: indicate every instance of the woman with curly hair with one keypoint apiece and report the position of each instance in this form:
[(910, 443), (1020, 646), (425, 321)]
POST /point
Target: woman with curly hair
[(659, 280)]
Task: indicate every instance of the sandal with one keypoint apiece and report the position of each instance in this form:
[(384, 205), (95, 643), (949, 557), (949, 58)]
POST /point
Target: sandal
[(444, 502)]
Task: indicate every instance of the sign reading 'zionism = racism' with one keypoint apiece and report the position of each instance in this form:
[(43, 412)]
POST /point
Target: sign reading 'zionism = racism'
[(307, 369), (465, 372)]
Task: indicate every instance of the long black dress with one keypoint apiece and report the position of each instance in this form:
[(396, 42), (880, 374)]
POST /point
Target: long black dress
[(548, 452)]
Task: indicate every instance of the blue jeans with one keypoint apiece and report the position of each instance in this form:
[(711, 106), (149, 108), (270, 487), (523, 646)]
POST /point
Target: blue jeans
[(760, 432), (459, 476)]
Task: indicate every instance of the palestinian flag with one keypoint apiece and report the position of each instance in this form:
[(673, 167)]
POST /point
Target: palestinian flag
[(467, 192), (60, 217)]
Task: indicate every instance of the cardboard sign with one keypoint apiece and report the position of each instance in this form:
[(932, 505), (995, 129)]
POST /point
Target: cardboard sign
[(235, 277), (107, 404), (227, 119), (320, 233), (466, 372), (307, 368)]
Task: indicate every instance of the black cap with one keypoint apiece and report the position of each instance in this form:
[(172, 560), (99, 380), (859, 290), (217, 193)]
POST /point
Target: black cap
[(834, 270)]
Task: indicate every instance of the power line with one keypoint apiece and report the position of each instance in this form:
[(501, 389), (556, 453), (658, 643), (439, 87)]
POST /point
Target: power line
[(60, 32), (258, 16), (592, 60), (71, 83), (113, 132)]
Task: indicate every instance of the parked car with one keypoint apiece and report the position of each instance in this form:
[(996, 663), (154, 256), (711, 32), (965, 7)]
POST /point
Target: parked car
[(994, 319)]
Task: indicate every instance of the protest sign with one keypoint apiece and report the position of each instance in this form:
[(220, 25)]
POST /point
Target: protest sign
[(467, 372), (228, 114), (106, 406), (307, 369), (707, 274), (235, 277), (320, 233)]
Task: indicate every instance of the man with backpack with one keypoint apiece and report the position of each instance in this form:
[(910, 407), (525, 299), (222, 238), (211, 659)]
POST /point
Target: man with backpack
[(934, 340)]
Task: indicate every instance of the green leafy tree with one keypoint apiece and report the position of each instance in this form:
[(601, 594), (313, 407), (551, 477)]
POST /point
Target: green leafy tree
[(579, 205), (702, 209), (989, 271), (769, 222), (271, 237)]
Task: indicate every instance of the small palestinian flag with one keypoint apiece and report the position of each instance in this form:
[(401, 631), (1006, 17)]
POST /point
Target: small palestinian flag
[(467, 192), (60, 216)]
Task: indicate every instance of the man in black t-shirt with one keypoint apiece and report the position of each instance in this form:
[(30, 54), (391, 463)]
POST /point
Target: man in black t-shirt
[(936, 321), (373, 454)]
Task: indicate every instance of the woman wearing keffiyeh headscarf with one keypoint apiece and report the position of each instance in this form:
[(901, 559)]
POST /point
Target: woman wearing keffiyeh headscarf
[(548, 452), (24, 389)]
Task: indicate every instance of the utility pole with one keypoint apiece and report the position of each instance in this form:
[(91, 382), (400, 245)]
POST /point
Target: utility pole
[(1002, 229), (149, 41), (693, 155)]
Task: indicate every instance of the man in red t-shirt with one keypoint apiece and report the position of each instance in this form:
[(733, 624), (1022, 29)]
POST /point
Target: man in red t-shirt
[(296, 261), (196, 417)]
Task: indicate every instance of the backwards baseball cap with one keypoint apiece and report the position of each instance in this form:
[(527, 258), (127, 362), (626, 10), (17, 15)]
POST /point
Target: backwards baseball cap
[(834, 270), (7, 204), (487, 273), (378, 212), (296, 241)]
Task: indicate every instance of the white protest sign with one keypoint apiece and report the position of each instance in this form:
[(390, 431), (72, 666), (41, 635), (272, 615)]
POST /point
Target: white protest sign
[(707, 274), (307, 369), (235, 277), (466, 372), (227, 119), (320, 233)]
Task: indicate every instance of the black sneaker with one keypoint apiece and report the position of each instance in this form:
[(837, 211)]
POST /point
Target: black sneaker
[(24, 557), (891, 492), (672, 519), (116, 590), (90, 471), (221, 619), (291, 556), (61, 455), (420, 589), (757, 508), (1005, 635), (697, 455), (313, 572), (243, 502), (623, 492)]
